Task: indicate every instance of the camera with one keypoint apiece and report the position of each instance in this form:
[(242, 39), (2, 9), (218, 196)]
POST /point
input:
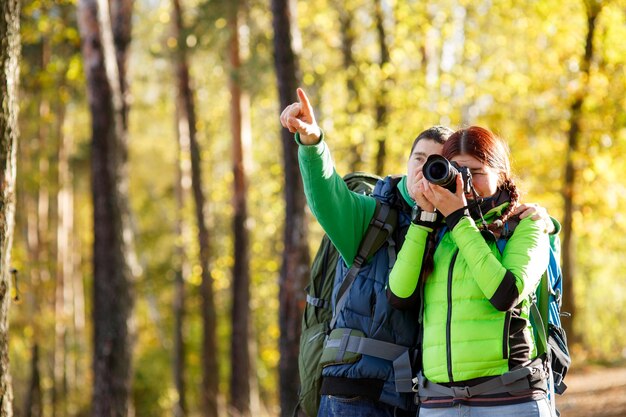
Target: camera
[(439, 171)]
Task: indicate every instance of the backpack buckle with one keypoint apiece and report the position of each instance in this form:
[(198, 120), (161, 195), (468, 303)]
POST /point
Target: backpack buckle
[(416, 385), (358, 261), (461, 392), (378, 223)]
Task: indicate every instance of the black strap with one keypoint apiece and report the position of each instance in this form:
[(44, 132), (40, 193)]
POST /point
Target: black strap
[(381, 226)]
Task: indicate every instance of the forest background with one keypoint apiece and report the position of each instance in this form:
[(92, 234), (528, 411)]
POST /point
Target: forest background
[(548, 76)]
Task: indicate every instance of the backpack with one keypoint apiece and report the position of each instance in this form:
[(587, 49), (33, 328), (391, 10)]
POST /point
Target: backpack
[(318, 312)]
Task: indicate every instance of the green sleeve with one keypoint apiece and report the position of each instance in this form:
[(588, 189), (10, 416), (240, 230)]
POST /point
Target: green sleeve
[(525, 255), (405, 273), (343, 214)]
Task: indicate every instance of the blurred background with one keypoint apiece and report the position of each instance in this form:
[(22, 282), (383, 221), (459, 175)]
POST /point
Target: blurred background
[(548, 76)]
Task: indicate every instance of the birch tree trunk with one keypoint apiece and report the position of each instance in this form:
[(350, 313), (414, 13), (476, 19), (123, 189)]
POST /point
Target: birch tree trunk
[(296, 260), (80, 362), (105, 35), (65, 334), (9, 80)]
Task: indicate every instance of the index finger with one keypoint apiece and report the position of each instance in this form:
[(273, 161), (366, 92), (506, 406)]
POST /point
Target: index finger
[(304, 100), (460, 185)]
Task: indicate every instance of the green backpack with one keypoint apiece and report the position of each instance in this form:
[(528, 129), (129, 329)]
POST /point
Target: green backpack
[(318, 312)]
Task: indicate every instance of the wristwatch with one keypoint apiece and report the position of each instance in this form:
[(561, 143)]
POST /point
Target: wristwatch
[(419, 216)]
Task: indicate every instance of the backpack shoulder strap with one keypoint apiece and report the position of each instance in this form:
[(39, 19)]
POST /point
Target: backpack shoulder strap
[(381, 226), (383, 223), (539, 314)]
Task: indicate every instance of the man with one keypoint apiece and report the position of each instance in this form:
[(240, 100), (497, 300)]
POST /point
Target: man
[(355, 384)]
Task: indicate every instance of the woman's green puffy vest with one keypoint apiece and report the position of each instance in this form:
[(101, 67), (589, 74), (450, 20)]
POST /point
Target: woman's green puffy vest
[(465, 336)]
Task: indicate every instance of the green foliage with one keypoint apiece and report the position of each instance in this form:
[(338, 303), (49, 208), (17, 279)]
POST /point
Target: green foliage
[(151, 397)]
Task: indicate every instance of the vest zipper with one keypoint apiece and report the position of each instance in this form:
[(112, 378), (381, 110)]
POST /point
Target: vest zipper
[(449, 318)]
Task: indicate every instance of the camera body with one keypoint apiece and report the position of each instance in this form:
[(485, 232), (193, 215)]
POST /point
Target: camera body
[(439, 171)]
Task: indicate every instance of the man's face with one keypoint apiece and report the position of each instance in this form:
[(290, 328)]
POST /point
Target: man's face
[(423, 149)]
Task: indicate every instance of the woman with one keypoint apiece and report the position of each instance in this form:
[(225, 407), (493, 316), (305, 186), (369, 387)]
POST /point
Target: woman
[(475, 299)]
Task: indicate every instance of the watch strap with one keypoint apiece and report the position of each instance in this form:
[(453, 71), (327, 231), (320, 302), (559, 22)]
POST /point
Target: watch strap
[(422, 217)]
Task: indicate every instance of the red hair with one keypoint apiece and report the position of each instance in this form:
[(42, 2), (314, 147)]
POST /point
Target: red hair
[(481, 144), (490, 150)]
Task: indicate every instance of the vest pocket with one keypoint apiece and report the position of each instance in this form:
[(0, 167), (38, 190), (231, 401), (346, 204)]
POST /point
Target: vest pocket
[(505, 335)]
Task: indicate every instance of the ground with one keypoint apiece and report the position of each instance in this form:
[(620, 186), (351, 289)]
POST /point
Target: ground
[(599, 392)]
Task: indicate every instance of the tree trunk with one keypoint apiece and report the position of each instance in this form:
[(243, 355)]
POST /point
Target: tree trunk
[(352, 73), (381, 94), (64, 272), (105, 35), (35, 206), (65, 333), (43, 191), (569, 186), (240, 317), (182, 191), (187, 132), (210, 375), (295, 262), (68, 267), (33, 406), (33, 306), (78, 318), (183, 271), (9, 82)]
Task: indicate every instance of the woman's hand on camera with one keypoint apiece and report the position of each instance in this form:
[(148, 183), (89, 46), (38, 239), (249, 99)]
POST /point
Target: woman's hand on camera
[(444, 200), (415, 191)]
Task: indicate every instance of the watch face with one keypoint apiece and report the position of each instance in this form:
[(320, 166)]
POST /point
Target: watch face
[(415, 212)]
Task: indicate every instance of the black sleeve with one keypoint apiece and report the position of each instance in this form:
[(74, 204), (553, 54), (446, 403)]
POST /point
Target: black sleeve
[(409, 303)]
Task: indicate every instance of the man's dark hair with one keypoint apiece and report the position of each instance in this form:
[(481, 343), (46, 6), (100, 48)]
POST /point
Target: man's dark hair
[(437, 133)]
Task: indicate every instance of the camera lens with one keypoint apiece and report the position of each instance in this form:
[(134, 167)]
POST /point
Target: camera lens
[(439, 171)]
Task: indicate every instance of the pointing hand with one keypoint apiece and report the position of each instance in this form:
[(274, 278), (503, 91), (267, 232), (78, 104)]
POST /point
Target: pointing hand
[(299, 117)]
